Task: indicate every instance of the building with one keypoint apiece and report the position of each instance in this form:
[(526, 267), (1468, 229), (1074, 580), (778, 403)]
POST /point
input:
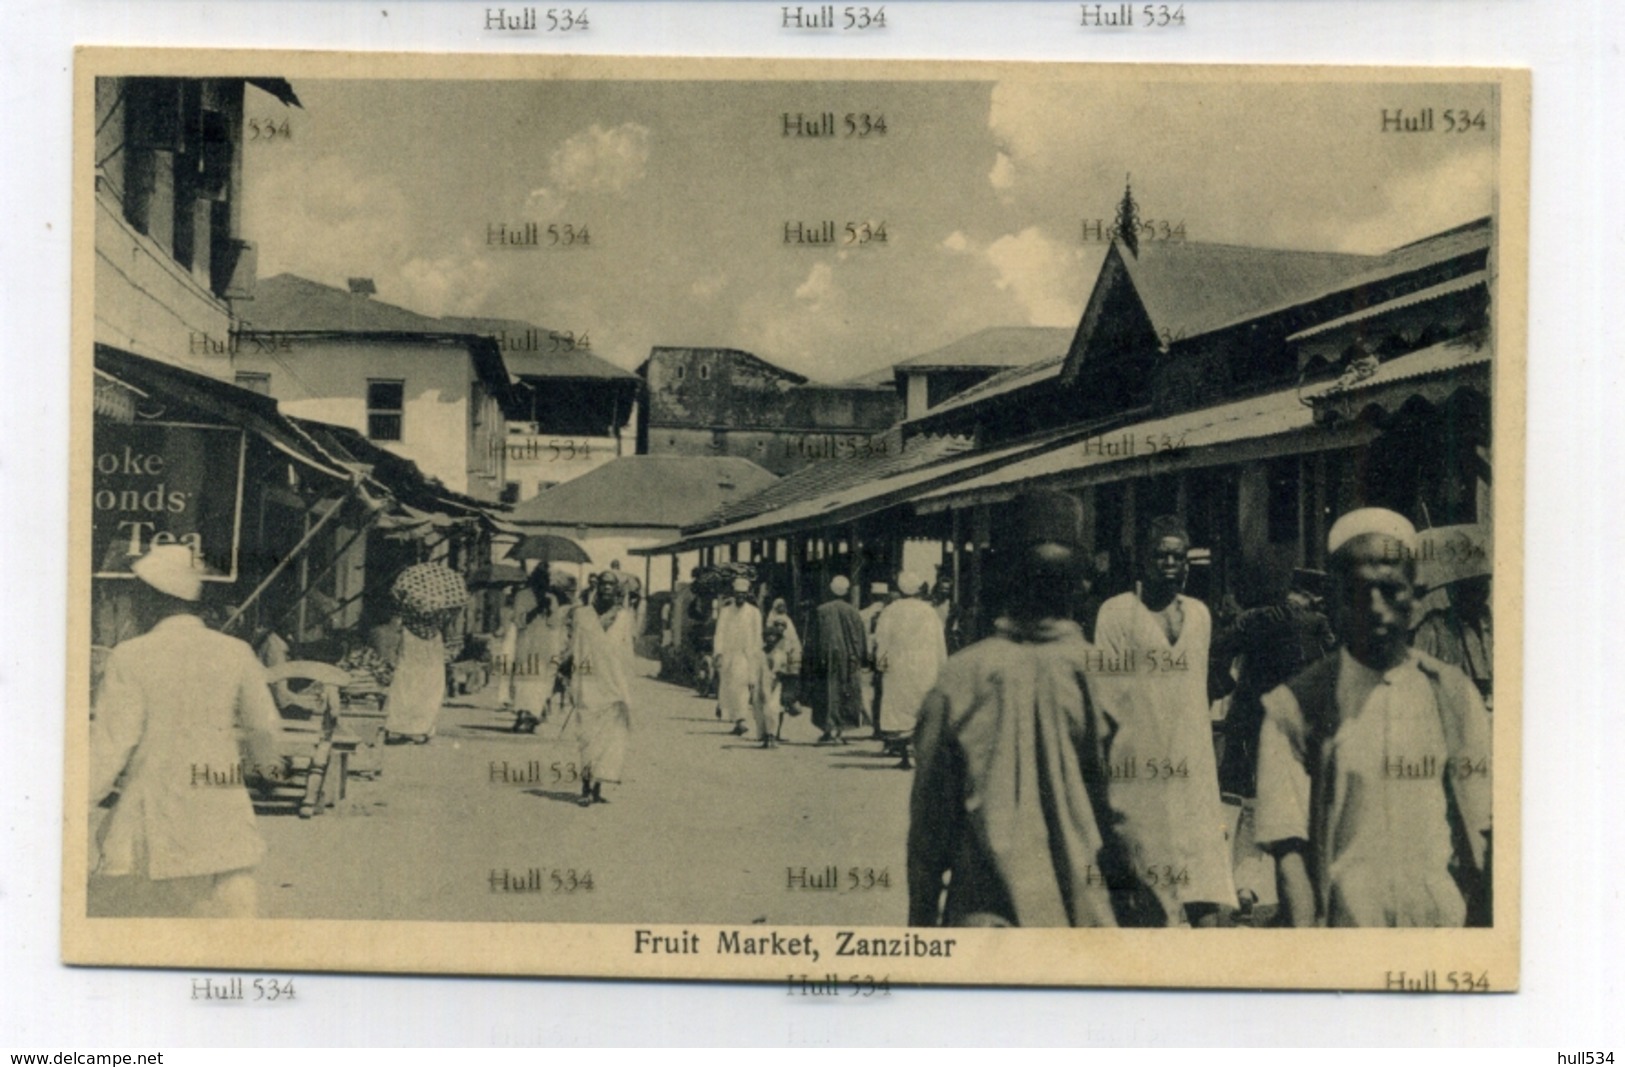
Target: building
[(419, 386), (1257, 393), (179, 453), (637, 501), (724, 402), (171, 258), (577, 406), (934, 377)]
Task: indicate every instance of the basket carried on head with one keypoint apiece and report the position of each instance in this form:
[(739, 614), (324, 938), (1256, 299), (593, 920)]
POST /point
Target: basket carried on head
[(429, 588)]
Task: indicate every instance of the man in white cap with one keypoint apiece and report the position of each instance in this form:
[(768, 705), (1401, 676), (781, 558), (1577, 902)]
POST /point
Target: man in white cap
[(1374, 764), (174, 707), (909, 651), (739, 656), (832, 664)]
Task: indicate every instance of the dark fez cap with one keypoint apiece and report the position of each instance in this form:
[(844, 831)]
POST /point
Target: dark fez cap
[(1048, 515)]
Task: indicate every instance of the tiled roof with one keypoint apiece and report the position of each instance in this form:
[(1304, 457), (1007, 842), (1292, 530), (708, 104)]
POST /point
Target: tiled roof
[(645, 491), (997, 346)]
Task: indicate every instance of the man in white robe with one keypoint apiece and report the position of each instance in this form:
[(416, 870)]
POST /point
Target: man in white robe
[(1164, 778), (739, 656), (909, 650)]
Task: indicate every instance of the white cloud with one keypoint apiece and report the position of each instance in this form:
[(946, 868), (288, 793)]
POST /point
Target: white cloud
[(596, 160), (1003, 174), (956, 242), (328, 221), (819, 286), (1045, 277), (454, 284), (1454, 190)]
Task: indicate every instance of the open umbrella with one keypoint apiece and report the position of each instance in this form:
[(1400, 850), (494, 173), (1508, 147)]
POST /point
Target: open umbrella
[(549, 548), (1446, 554)]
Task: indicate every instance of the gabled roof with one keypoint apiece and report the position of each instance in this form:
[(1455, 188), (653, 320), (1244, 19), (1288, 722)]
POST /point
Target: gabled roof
[(1188, 288), (289, 303), (830, 475), (541, 363), (996, 347), (645, 491)]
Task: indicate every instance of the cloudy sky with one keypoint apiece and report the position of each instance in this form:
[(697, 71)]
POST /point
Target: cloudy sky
[(685, 188)]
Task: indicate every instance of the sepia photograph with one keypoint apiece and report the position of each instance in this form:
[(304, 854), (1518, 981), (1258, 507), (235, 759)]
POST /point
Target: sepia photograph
[(836, 523)]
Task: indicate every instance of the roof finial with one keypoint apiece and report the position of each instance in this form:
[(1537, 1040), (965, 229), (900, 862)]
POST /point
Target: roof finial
[(1128, 218)]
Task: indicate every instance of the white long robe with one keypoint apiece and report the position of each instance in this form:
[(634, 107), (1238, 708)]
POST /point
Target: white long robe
[(910, 649), (412, 705), (537, 652), (602, 697), (738, 647), (1163, 776)]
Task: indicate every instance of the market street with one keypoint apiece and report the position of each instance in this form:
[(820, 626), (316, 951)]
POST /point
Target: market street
[(708, 827)]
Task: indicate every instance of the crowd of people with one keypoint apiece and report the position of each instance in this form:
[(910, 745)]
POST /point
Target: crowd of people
[(1096, 760), (1064, 781)]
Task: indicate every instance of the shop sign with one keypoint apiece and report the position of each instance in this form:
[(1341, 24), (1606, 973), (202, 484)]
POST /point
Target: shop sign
[(166, 483)]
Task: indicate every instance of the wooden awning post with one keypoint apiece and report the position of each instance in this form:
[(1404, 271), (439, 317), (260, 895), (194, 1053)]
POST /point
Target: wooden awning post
[(792, 549), (958, 535), (981, 535), (856, 541)]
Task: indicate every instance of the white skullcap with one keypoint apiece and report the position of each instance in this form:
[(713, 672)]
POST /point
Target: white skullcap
[(909, 583), (171, 569), (1362, 521), (839, 585)]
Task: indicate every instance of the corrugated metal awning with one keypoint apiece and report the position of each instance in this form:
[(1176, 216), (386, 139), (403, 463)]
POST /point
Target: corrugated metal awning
[(1259, 427), (857, 500), (1421, 296), (231, 404), (1433, 375)]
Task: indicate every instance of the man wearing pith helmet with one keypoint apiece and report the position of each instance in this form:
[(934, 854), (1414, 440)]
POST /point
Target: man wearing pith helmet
[(174, 706), (1374, 763)]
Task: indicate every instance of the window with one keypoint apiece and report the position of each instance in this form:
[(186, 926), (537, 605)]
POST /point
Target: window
[(705, 371), (510, 493), (254, 382), (681, 372), (385, 403)]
